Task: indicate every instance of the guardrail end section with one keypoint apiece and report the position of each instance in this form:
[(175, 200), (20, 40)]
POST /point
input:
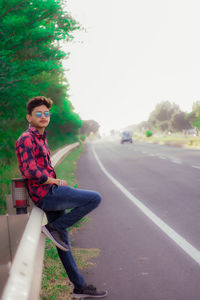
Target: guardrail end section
[(21, 275)]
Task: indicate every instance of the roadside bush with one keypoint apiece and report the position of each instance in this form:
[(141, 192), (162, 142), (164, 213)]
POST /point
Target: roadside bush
[(148, 133), (82, 137)]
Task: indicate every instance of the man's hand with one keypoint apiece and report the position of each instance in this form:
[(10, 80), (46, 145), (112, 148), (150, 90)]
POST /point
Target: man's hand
[(61, 182), (56, 181)]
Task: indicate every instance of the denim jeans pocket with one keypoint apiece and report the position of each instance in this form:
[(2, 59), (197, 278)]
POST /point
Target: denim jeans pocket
[(53, 189)]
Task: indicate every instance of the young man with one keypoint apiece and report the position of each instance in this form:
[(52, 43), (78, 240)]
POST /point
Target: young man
[(51, 194)]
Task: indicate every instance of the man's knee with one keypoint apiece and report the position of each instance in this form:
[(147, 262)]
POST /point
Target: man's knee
[(97, 198)]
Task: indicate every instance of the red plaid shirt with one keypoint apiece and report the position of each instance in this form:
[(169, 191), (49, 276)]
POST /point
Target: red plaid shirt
[(34, 162)]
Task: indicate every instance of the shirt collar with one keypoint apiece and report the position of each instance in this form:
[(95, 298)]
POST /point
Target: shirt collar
[(36, 132)]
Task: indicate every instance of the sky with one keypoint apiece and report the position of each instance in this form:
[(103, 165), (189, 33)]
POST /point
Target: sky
[(132, 55)]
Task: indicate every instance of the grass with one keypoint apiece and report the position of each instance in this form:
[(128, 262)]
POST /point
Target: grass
[(176, 140), (55, 282), (67, 169)]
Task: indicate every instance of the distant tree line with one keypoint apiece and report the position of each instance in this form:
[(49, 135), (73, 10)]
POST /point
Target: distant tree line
[(168, 116), (31, 65), (89, 126)]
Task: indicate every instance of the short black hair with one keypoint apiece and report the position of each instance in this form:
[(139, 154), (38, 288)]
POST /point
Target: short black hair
[(37, 101)]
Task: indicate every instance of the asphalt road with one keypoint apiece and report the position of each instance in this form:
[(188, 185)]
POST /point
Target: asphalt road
[(139, 260)]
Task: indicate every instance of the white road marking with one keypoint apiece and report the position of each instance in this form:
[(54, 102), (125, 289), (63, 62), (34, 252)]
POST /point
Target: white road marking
[(158, 154), (179, 162), (196, 167), (178, 239)]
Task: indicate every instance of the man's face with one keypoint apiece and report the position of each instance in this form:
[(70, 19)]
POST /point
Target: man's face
[(39, 117)]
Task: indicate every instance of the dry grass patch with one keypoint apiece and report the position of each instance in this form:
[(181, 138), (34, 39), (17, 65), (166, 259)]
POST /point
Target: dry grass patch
[(173, 140), (55, 282)]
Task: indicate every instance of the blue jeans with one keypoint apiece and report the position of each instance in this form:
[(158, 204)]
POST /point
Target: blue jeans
[(54, 204)]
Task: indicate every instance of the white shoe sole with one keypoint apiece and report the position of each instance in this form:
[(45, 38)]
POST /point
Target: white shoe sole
[(48, 234), (80, 296)]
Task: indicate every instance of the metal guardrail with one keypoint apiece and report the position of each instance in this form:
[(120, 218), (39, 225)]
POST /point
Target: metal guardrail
[(21, 273), (59, 155), (25, 274)]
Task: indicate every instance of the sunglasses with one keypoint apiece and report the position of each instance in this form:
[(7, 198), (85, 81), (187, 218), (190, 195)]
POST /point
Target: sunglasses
[(38, 114)]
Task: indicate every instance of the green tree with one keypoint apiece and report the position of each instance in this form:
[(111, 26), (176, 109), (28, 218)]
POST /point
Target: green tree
[(89, 126), (194, 116), (31, 64), (179, 122), (143, 126), (160, 117)]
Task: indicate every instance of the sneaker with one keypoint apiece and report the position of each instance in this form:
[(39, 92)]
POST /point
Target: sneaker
[(55, 236), (88, 291)]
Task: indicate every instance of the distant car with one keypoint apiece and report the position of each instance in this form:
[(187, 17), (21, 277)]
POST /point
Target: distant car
[(126, 136)]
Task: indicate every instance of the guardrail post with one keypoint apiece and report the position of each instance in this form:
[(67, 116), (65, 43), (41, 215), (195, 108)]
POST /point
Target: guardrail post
[(20, 195)]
